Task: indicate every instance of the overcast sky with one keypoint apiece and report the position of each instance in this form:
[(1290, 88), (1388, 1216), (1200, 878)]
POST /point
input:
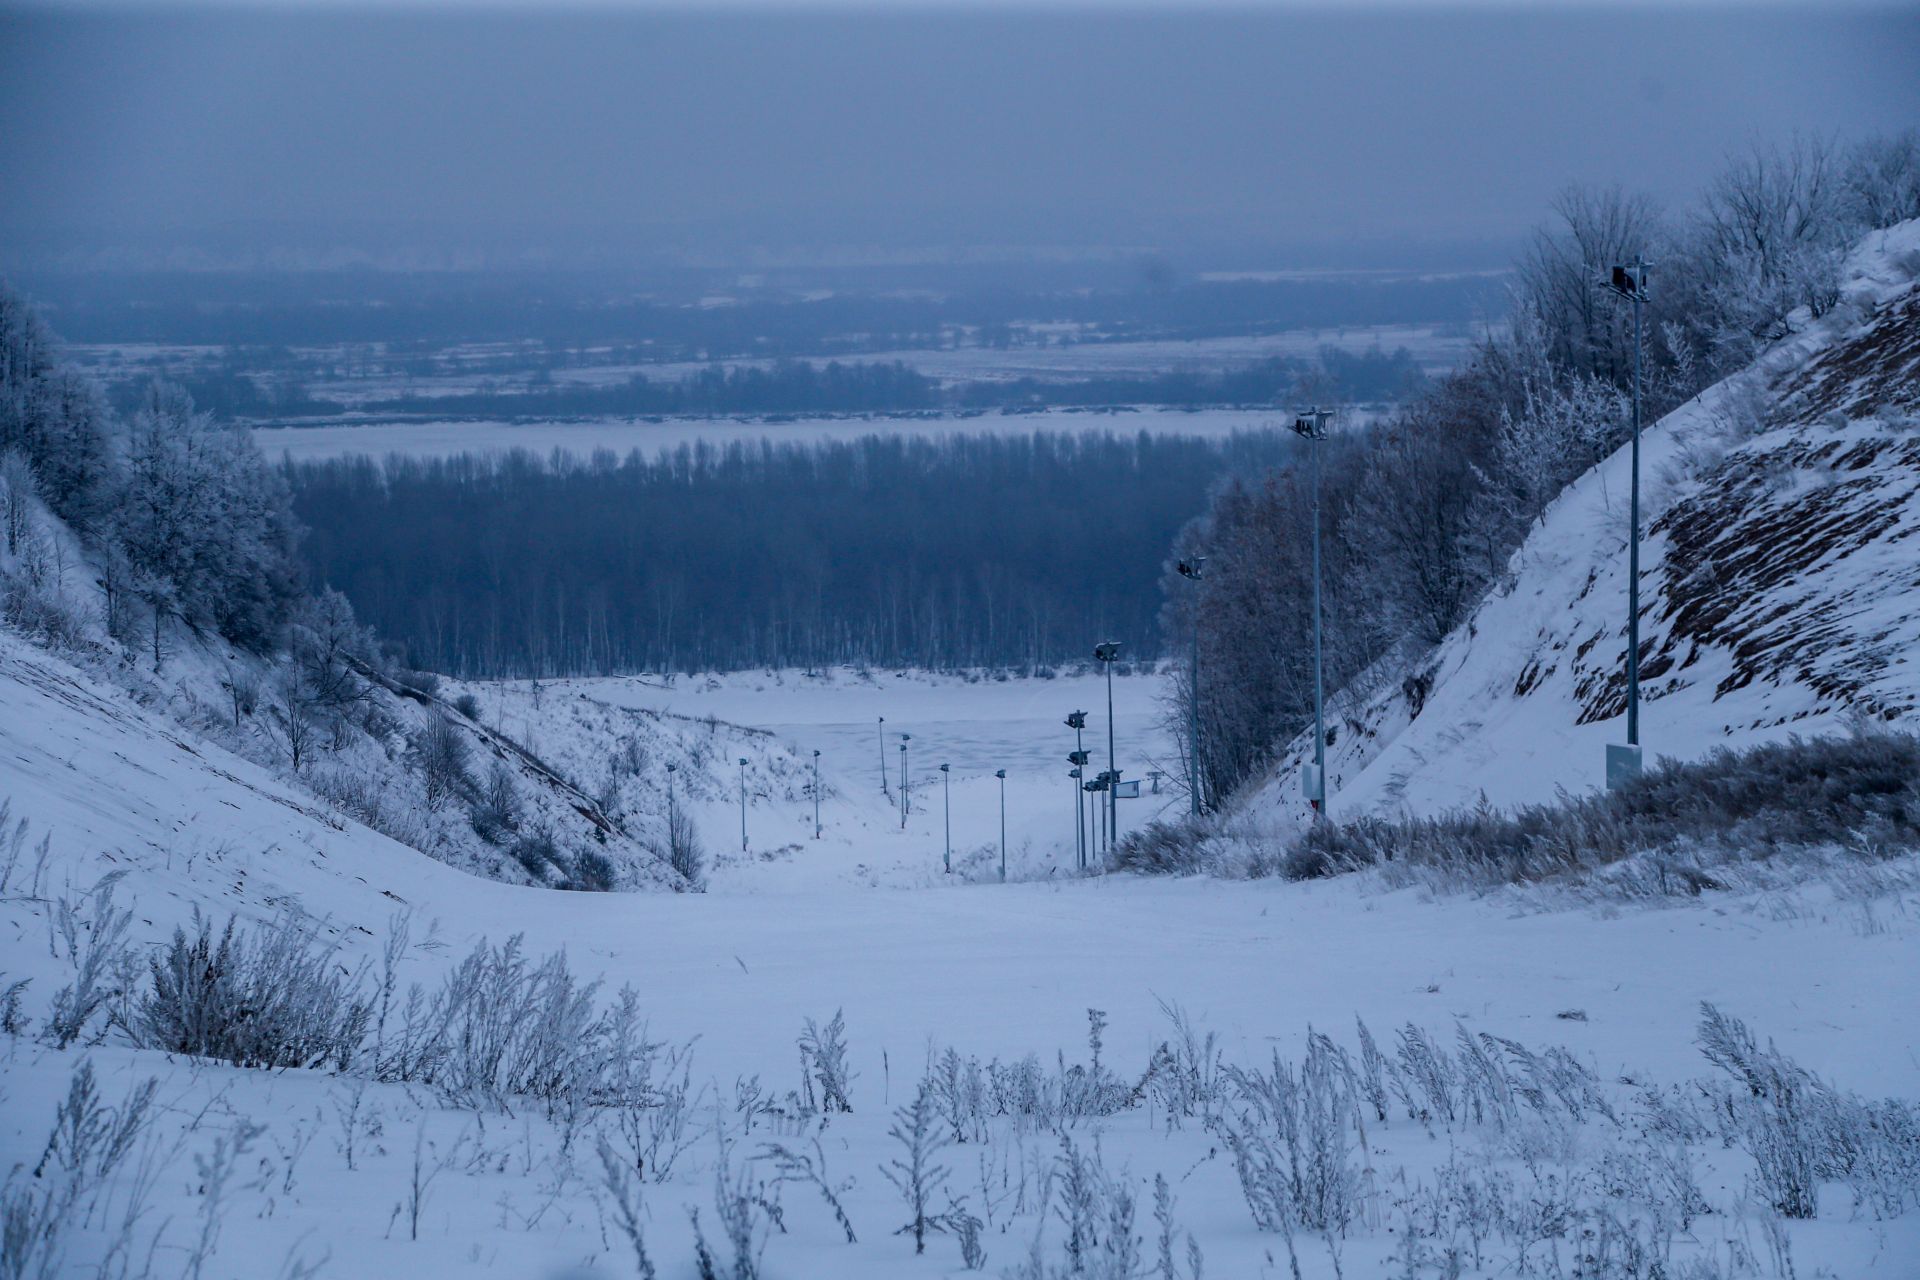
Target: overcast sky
[(784, 125)]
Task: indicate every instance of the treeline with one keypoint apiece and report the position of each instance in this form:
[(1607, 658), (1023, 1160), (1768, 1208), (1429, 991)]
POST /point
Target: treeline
[(788, 386), (858, 313), (799, 387), (1422, 513), (184, 519), (955, 551)]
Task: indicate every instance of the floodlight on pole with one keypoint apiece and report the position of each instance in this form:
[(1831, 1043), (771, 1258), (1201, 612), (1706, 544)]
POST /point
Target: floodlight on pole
[(816, 793), (1107, 652), (1629, 281), (1077, 721), (883, 758), (1002, 775), (1312, 427), (743, 804), (1193, 570), (671, 770), (946, 789)]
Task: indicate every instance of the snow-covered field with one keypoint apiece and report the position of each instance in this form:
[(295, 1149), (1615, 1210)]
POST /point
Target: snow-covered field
[(373, 1179), (623, 435), (977, 726)]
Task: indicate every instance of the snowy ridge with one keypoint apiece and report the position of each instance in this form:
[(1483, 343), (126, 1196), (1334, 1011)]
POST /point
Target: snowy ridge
[(1778, 589)]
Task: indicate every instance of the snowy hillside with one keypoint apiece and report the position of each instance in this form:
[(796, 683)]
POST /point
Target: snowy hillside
[(374, 1170), (1778, 590)]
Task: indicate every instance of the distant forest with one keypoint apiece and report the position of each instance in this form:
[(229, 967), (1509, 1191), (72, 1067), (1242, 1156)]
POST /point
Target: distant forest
[(798, 387), (959, 551)]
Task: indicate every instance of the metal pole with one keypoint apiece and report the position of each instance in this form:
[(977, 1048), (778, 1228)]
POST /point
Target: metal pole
[(946, 789), (1080, 806), (882, 734), (816, 795), (743, 804), (1633, 551), (903, 784), (671, 836), (1319, 692), (1113, 774), (1002, 775)]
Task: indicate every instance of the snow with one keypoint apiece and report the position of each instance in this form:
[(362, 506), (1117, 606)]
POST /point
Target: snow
[(991, 969), (864, 921), (1502, 721)]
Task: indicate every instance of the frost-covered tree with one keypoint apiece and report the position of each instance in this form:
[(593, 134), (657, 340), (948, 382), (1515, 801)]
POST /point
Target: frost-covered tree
[(201, 510)]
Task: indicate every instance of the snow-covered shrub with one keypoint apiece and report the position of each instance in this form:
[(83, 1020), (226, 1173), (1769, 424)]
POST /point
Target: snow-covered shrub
[(1186, 1077), (92, 936), (502, 1026), (1860, 792), (826, 1080), (1801, 1131), (916, 1173), (69, 1187), (271, 997), (1294, 1135), (1096, 1212), (1164, 848)]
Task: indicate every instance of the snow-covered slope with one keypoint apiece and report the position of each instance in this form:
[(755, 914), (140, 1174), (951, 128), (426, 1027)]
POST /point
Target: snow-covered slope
[(1779, 593)]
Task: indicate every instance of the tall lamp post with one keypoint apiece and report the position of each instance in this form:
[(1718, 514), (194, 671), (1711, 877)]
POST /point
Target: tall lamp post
[(672, 834), (1077, 721), (1002, 775), (1107, 652), (883, 757), (816, 793), (743, 804), (1079, 852), (1312, 427), (1623, 762), (906, 794), (946, 791), (1191, 570)]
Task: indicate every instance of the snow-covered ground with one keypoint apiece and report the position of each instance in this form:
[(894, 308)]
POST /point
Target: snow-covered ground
[(977, 725), (992, 970)]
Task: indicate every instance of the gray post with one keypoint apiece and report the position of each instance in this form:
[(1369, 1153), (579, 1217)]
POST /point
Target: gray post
[(882, 733), (671, 770), (1319, 689), (743, 804), (816, 794), (946, 789), (1002, 775), (1633, 546)]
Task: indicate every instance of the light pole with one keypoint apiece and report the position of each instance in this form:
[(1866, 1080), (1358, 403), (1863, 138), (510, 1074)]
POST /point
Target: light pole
[(816, 794), (1077, 721), (1002, 775), (1107, 652), (883, 758), (672, 835), (1191, 570), (1079, 853), (946, 791), (743, 804), (1623, 763), (906, 792), (1312, 426)]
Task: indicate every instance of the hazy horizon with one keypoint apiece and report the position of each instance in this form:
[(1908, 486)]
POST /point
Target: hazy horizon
[(442, 136)]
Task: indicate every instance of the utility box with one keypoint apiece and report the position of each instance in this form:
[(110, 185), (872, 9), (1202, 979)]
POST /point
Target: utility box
[(1313, 782), (1623, 764)]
